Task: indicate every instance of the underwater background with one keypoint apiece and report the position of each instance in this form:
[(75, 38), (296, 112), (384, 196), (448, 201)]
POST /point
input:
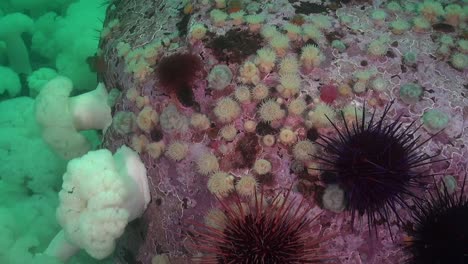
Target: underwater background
[(224, 101)]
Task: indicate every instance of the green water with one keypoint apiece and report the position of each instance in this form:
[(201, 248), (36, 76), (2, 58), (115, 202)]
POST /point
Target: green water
[(57, 37)]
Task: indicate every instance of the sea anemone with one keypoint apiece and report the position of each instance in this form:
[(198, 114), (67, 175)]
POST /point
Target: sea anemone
[(262, 166), (270, 111), (218, 17), (440, 232), (275, 232), (242, 94), (260, 92), (221, 184), (280, 43), (228, 132), (249, 73), (207, 163), (297, 106), (197, 31), (177, 74), (177, 150), (247, 186), (311, 56), (375, 164), (290, 84), (266, 59), (226, 110)]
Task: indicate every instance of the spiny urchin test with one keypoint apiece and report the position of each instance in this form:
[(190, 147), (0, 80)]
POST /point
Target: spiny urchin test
[(276, 233), (375, 163), (440, 229)]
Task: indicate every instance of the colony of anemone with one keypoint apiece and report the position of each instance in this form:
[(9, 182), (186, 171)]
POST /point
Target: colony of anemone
[(276, 96)]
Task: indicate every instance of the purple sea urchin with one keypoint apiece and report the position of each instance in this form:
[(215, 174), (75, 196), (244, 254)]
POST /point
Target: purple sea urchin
[(374, 163), (440, 229), (276, 233)]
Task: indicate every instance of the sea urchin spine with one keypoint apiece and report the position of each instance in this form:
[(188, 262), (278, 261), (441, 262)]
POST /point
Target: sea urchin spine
[(375, 164), (276, 233), (440, 229)]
